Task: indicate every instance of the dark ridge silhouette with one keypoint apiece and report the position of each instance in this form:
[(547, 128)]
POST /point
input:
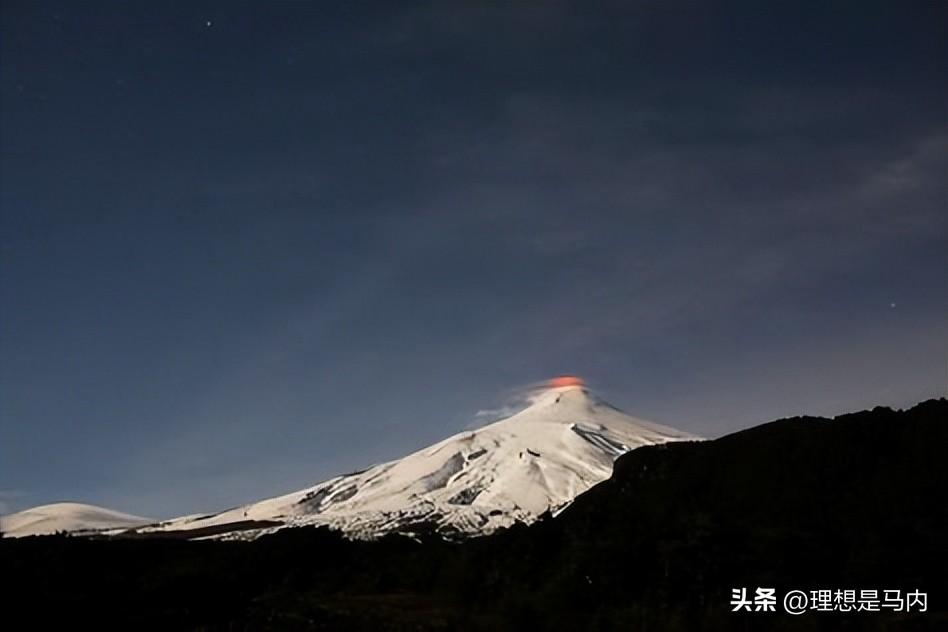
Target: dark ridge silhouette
[(857, 502), (200, 532)]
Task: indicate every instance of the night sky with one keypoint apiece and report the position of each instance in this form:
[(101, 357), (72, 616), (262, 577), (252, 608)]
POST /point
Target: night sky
[(246, 247)]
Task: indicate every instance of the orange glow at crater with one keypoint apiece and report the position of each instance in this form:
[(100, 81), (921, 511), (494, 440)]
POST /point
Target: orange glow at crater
[(566, 380)]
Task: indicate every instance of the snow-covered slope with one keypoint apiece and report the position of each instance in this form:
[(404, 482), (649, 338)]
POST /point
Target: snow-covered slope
[(474, 482), (74, 517)]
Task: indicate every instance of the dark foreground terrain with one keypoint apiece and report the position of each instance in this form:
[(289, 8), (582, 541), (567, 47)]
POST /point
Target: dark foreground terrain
[(857, 502)]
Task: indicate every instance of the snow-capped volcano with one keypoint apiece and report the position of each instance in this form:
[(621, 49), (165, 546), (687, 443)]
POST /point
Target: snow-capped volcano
[(473, 482)]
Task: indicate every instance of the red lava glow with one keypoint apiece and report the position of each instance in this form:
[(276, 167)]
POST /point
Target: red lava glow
[(566, 380)]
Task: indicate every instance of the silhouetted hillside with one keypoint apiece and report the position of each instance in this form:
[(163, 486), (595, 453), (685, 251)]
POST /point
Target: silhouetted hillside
[(857, 502)]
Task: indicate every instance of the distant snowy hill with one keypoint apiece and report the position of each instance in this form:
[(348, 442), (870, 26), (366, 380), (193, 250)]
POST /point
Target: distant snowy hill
[(74, 517), (474, 482)]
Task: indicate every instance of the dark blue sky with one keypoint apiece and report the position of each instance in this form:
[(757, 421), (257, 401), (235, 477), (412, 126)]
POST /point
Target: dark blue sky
[(249, 246)]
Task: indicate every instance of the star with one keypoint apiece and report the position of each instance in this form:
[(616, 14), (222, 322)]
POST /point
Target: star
[(208, 24)]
